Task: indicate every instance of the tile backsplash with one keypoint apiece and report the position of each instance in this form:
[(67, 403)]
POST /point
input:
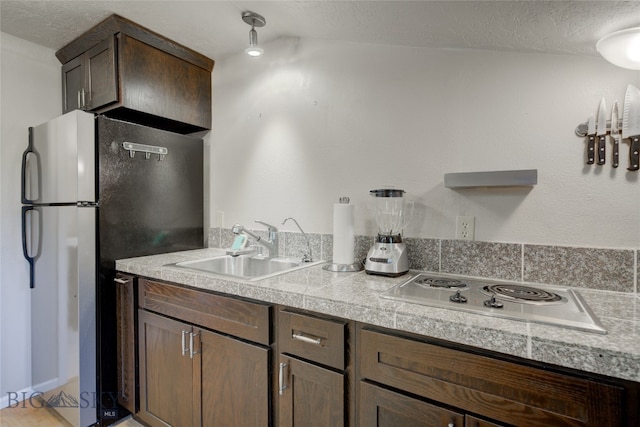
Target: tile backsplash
[(594, 268), (610, 269), (484, 259)]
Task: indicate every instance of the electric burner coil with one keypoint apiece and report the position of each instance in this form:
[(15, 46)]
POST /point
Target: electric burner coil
[(522, 294), (439, 283)]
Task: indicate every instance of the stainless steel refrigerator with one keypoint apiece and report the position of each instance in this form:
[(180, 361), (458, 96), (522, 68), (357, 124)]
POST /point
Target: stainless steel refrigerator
[(95, 190)]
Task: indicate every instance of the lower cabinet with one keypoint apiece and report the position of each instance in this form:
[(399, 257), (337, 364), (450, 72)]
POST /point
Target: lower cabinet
[(312, 370), (169, 373), (310, 395), (235, 382), (126, 315), (205, 359), (488, 391), (192, 376), (382, 407), (471, 421)]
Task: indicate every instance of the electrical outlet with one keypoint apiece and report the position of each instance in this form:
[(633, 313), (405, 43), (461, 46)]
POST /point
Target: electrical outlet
[(465, 227)]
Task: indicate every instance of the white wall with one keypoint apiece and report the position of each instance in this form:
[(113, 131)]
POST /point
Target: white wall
[(314, 120), (30, 88)]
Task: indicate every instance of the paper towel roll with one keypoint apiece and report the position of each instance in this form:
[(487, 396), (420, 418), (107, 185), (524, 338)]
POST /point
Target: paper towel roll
[(343, 233)]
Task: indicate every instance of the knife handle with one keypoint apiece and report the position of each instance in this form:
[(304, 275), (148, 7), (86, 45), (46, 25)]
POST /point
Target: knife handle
[(615, 153), (590, 147), (601, 149), (634, 154)]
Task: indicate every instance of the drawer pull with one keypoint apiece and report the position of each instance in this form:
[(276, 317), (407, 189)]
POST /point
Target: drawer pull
[(281, 385), (304, 338), (120, 281)]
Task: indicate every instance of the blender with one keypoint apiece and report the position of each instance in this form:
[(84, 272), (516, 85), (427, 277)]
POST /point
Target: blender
[(388, 255)]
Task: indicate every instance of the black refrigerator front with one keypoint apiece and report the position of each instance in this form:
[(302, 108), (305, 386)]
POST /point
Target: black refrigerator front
[(150, 193), (96, 190)]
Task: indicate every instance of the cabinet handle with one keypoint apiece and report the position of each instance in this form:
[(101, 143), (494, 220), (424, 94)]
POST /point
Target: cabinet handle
[(184, 342), (309, 340), (120, 281), (451, 425), (84, 104), (191, 351), (281, 384), (79, 100)]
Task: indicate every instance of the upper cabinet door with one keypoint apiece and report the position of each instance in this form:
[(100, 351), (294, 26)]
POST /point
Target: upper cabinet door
[(89, 81), (72, 84), (101, 74)]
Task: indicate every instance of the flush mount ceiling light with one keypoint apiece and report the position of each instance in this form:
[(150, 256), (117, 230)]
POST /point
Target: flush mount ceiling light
[(621, 48), (254, 20)]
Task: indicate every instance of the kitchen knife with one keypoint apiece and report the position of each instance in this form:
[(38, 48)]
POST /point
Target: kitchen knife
[(601, 127), (631, 125), (591, 138), (615, 135)]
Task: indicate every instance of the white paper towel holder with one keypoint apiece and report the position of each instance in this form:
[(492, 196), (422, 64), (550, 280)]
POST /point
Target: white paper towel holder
[(343, 268)]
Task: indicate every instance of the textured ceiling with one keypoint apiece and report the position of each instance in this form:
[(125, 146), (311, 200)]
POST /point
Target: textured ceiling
[(215, 28)]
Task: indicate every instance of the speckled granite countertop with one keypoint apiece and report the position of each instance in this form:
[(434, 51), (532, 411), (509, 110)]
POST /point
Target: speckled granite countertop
[(355, 296)]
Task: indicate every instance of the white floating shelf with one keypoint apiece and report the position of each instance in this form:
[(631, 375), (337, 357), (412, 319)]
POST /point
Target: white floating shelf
[(512, 178)]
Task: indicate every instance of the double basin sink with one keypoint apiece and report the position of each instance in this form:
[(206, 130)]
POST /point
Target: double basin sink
[(245, 266)]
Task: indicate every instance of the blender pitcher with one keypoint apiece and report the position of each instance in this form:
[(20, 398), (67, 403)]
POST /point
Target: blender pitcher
[(391, 214), (388, 255)]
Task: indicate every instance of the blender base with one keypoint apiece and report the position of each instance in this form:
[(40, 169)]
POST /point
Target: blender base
[(387, 259), (379, 273)]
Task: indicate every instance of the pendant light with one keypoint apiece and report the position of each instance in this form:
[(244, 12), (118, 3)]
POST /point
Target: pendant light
[(254, 20), (621, 48)]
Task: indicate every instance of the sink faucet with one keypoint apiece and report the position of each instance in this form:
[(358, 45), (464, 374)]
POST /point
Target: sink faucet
[(271, 244), (305, 257)]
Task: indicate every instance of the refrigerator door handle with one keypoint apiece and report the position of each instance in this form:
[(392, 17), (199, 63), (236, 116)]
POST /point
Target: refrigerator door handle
[(25, 250), (23, 177)]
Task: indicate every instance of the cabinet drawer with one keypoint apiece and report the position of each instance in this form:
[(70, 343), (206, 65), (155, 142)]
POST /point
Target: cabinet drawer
[(500, 390), (243, 319), (312, 338)]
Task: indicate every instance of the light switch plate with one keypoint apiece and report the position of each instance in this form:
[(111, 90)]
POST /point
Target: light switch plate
[(219, 219)]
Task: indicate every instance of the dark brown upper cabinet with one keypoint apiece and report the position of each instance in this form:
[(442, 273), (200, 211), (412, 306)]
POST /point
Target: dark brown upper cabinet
[(128, 72), (90, 80)]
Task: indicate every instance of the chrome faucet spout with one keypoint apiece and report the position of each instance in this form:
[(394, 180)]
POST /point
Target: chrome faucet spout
[(271, 244), (238, 229), (305, 257)]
